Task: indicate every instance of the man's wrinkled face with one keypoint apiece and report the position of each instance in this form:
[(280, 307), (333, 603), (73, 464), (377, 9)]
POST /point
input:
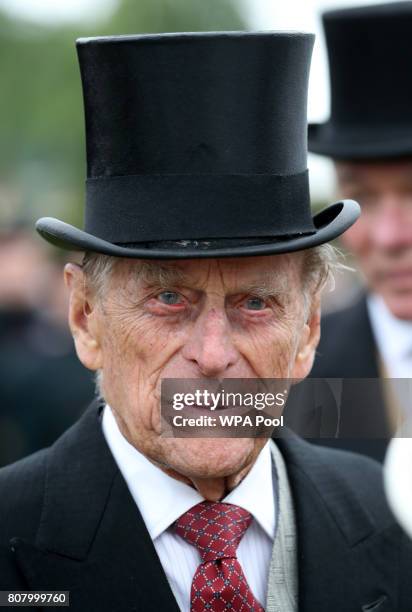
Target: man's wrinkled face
[(211, 318), (381, 239)]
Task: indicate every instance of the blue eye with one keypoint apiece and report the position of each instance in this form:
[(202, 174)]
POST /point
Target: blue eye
[(255, 303), (169, 297)]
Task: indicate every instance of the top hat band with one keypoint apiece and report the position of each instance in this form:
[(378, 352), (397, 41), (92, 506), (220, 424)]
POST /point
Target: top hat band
[(141, 208)]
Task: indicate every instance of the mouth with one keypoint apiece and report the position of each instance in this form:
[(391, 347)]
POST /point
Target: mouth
[(401, 279)]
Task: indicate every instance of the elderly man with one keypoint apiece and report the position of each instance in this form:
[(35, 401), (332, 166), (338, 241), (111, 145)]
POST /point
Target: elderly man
[(369, 138), (202, 262)]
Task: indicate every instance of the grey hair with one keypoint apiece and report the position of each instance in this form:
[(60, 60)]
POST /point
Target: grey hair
[(98, 269), (98, 385), (319, 265)]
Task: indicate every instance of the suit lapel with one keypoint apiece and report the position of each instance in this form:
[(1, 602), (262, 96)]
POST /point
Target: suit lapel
[(347, 351), (92, 539), (358, 348), (341, 565), (364, 412), (347, 346)]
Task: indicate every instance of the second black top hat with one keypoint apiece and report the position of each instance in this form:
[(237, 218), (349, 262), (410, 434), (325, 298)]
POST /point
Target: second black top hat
[(370, 63)]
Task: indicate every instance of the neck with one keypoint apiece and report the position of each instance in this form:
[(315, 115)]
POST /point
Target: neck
[(212, 489)]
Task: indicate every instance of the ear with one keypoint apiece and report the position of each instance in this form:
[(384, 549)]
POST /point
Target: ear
[(308, 342), (85, 318)]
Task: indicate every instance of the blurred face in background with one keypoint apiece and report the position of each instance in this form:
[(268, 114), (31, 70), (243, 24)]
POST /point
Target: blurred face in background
[(22, 261), (30, 278), (381, 239)]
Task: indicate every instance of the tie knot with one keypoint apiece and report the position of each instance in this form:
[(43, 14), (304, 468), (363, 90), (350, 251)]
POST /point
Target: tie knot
[(215, 529)]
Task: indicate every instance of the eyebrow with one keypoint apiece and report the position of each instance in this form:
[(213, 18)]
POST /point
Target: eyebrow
[(263, 291), (164, 277)]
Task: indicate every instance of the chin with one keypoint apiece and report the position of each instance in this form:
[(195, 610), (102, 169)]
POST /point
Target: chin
[(210, 457), (400, 306)]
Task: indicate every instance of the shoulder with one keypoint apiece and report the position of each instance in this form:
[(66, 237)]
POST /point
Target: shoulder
[(346, 346), (348, 319), (26, 486), (360, 475), (342, 516), (22, 488)]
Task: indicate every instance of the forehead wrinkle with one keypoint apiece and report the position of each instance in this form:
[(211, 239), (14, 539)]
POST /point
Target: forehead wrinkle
[(235, 280), (270, 283), (161, 274)]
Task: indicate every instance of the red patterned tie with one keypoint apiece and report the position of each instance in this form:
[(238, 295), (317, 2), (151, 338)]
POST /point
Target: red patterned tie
[(219, 582)]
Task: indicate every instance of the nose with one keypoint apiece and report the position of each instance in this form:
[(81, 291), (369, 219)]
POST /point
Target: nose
[(210, 347), (391, 229)]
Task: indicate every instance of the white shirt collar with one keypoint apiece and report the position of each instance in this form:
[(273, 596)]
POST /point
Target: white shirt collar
[(161, 499), (393, 336)]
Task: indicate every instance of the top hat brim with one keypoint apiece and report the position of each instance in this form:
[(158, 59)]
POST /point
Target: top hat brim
[(328, 223), (359, 143)]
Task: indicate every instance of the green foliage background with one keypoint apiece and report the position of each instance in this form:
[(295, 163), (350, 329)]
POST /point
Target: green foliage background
[(42, 151)]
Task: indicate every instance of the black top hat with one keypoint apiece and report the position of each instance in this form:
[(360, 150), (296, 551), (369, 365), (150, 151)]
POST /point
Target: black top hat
[(196, 147), (370, 64)]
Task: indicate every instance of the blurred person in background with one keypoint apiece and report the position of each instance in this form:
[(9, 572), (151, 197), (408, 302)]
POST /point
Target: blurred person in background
[(37, 354), (369, 137)]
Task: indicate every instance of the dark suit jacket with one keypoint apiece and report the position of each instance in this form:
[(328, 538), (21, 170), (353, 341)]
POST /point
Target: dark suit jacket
[(347, 350), (37, 358), (68, 521)]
